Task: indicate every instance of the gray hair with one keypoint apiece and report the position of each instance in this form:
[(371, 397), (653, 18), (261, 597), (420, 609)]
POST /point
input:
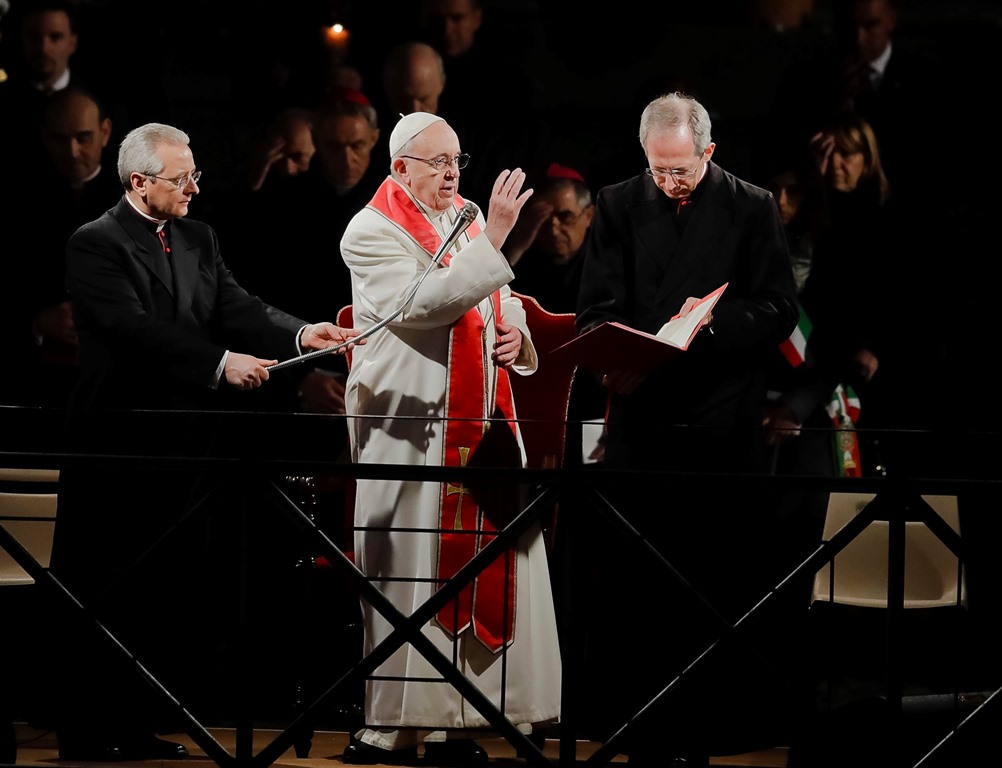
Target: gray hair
[(346, 107), (676, 110), (582, 193), (138, 151)]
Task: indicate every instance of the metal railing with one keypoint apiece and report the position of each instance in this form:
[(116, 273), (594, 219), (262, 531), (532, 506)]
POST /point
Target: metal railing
[(242, 471)]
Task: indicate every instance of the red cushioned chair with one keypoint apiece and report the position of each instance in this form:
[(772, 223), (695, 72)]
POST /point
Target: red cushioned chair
[(542, 399)]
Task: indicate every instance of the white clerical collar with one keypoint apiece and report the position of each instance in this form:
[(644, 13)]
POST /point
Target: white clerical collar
[(159, 222), (879, 64), (61, 82)]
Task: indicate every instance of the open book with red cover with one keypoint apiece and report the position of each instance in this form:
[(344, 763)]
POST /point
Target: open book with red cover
[(616, 347)]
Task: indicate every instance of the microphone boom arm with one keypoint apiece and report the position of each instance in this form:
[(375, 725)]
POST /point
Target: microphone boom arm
[(467, 215)]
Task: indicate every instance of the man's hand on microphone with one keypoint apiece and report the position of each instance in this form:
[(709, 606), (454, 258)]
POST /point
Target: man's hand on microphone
[(324, 335), (246, 371), (507, 199)]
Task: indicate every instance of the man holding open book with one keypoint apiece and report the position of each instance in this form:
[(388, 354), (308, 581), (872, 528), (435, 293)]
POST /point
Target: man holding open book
[(659, 244), (674, 235)]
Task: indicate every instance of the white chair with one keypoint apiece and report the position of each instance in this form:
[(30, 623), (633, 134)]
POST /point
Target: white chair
[(27, 512), (932, 572)]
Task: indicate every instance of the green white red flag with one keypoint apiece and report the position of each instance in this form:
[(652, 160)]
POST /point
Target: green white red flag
[(843, 408), (794, 349)]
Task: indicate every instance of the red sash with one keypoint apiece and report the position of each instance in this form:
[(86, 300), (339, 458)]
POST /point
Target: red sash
[(488, 604)]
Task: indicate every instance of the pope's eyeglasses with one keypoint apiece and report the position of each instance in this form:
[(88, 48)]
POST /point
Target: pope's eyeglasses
[(440, 163)]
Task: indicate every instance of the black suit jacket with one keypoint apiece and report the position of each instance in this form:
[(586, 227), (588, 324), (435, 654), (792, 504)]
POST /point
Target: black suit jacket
[(639, 271), (153, 333)]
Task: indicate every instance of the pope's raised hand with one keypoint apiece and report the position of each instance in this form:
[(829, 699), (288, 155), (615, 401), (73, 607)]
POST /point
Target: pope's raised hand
[(507, 199)]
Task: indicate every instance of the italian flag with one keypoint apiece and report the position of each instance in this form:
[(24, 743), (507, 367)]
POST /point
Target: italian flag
[(843, 408), (844, 404), (794, 349)]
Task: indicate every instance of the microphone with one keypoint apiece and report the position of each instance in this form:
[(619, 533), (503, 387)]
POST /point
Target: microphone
[(467, 215)]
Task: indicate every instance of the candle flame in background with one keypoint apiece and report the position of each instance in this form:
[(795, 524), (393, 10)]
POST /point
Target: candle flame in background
[(336, 35)]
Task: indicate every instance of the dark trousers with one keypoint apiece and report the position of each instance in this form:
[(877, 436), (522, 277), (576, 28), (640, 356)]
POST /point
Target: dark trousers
[(702, 555)]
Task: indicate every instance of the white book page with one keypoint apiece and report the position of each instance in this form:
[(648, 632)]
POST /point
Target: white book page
[(679, 330)]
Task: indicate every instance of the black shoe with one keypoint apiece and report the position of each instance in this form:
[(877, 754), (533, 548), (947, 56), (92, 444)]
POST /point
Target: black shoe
[(458, 753), (361, 753), (113, 751), (654, 759), (89, 751), (152, 748)]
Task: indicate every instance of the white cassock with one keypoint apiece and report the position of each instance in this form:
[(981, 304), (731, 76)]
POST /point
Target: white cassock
[(402, 373)]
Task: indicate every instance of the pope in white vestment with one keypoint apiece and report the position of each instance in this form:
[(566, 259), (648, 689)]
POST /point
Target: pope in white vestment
[(403, 383)]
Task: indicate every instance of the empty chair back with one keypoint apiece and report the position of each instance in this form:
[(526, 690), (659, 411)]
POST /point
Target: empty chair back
[(28, 513), (932, 572)]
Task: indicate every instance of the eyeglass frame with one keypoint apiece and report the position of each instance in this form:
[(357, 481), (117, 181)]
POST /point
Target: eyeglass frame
[(567, 218), (441, 163), (188, 178), (657, 173)]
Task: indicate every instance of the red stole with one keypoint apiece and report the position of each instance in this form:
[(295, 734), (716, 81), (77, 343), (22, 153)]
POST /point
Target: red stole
[(488, 604)]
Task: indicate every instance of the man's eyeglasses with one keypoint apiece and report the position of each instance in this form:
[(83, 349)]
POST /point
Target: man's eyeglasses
[(676, 175), (440, 163), (181, 182), (566, 218)]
